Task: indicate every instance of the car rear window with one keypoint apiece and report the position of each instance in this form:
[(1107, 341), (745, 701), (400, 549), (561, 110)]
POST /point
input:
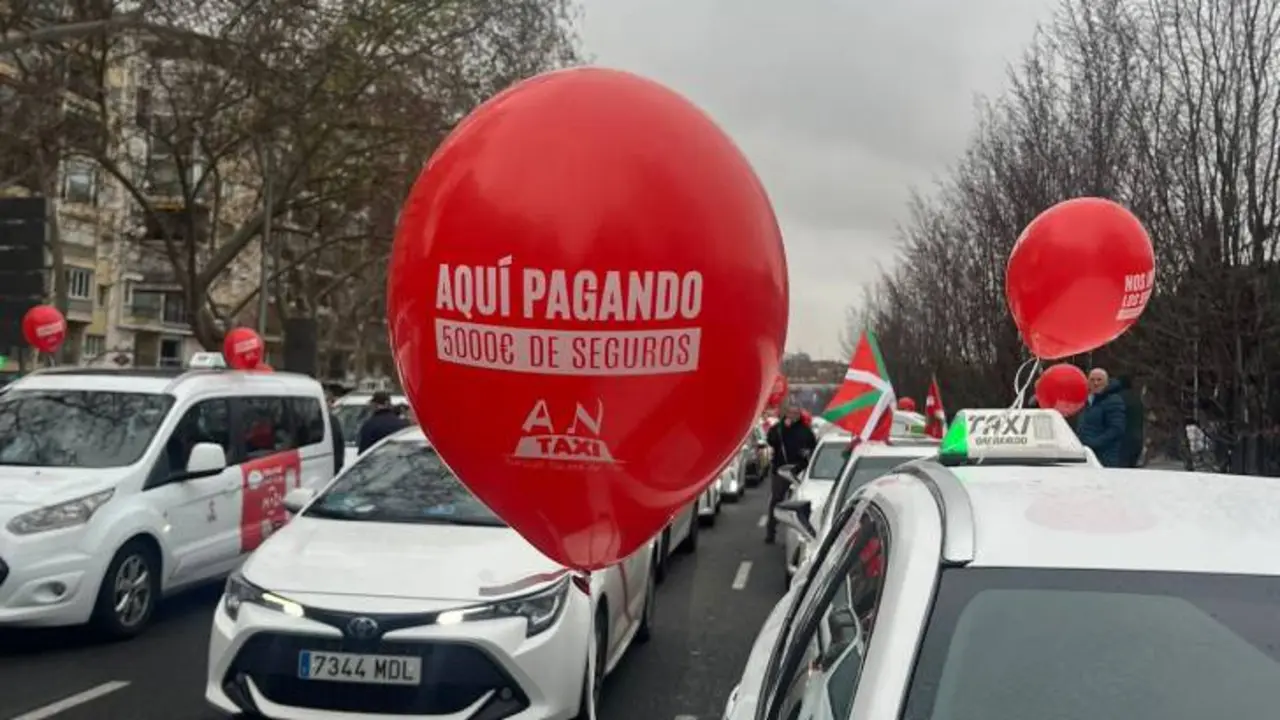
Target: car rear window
[(1015, 644)]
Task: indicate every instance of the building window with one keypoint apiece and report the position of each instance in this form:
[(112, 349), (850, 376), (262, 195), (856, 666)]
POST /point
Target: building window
[(80, 181), (79, 284), (147, 304), (94, 346), (175, 309), (170, 352)]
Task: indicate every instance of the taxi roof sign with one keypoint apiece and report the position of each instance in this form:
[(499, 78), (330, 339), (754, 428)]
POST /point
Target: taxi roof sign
[(1010, 436), (207, 360)]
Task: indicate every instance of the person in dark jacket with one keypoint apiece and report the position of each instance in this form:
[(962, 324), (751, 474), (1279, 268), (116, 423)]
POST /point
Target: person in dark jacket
[(339, 443), (1102, 423), (1134, 423), (383, 422), (792, 441)]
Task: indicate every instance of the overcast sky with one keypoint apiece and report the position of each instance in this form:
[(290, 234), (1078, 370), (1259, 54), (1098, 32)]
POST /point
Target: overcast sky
[(841, 105)]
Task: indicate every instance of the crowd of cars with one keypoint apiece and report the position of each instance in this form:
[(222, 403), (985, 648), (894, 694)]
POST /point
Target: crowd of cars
[(990, 575), (119, 487)]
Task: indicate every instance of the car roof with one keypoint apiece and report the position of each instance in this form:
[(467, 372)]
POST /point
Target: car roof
[(910, 449), (842, 438), (362, 398), (176, 381), (1121, 519)]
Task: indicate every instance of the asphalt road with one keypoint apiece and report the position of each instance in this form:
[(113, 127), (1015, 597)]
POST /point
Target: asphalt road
[(708, 612)]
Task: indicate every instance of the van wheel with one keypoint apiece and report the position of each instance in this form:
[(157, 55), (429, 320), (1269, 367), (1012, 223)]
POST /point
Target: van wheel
[(129, 592), (690, 544)]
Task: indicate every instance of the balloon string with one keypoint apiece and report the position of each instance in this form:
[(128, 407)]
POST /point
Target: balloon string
[(1020, 384)]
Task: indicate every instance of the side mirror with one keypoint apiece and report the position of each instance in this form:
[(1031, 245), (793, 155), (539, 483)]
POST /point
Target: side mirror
[(795, 515), (788, 473), (298, 498), (205, 459)]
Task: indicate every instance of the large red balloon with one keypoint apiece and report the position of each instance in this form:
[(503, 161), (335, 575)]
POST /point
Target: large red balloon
[(778, 393), (569, 311), (1062, 387), (44, 328), (242, 348), (1078, 277)]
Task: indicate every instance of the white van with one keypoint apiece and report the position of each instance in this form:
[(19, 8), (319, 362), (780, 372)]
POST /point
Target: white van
[(120, 486)]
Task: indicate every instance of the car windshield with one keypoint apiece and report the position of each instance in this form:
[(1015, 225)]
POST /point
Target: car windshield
[(865, 469), (402, 482), (1012, 644), (828, 460), (78, 428), (350, 417)]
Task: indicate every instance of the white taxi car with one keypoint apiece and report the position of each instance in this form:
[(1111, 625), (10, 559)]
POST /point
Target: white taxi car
[(120, 486), (395, 592), (1013, 577)]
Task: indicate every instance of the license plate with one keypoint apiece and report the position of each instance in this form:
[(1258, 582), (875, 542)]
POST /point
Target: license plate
[(352, 668)]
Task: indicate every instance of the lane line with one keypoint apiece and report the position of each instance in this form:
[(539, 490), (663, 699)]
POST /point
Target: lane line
[(80, 698), (744, 571), (764, 520), (686, 717)]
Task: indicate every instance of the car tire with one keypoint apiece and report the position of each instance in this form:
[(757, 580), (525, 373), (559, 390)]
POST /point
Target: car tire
[(589, 699), (129, 592), (705, 521), (731, 497), (645, 631), (690, 544), (660, 567)]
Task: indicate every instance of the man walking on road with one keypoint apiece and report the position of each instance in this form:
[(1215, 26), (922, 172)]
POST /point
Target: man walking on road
[(792, 441), (383, 422), (1102, 424)]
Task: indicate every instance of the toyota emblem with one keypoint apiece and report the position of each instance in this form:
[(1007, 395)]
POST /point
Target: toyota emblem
[(363, 628)]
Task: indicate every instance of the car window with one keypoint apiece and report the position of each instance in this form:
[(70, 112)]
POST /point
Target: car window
[(402, 482), (207, 421), (77, 428), (828, 460), (267, 426), (1005, 644), (840, 623), (864, 469), (308, 420)]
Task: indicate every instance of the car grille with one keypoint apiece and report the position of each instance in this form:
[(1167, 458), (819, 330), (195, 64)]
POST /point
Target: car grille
[(454, 676)]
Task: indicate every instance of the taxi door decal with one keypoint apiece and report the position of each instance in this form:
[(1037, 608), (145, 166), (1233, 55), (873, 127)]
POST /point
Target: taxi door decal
[(264, 483)]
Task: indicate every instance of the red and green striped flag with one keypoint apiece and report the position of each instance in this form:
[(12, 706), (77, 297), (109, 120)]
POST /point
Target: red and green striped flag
[(863, 405)]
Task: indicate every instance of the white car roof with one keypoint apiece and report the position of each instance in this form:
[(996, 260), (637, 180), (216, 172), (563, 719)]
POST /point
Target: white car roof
[(1087, 517), (180, 383), (911, 450), (362, 398)]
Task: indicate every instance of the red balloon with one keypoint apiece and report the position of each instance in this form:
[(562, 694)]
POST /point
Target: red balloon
[(1062, 387), (1079, 276), (906, 404), (242, 348), (44, 328), (569, 274), (779, 392)]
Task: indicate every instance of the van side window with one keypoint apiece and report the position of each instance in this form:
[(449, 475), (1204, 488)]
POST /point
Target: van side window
[(267, 427), (208, 421), (308, 420)]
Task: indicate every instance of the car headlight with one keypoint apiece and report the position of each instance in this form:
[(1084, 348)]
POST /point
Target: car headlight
[(240, 591), (540, 609), (63, 515)]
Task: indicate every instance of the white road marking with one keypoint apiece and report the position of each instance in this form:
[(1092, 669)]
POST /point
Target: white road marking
[(744, 571), (686, 717), (764, 520), (66, 703)]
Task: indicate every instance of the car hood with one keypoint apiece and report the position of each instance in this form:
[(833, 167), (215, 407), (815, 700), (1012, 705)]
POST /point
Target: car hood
[(25, 488), (396, 560)]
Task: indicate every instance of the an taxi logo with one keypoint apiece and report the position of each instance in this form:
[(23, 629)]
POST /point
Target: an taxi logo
[(579, 442)]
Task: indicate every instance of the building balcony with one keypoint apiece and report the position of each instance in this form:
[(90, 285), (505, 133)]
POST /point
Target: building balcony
[(80, 310)]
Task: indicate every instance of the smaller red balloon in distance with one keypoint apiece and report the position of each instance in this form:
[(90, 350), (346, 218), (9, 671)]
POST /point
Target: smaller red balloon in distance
[(44, 328), (1062, 387), (242, 349), (1079, 276), (906, 404), (778, 393)]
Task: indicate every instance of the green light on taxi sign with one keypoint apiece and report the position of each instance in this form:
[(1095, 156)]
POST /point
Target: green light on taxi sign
[(956, 442)]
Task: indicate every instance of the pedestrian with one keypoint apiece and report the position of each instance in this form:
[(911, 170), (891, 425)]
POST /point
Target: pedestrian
[(1135, 416), (792, 441), (1102, 423), (383, 422)]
